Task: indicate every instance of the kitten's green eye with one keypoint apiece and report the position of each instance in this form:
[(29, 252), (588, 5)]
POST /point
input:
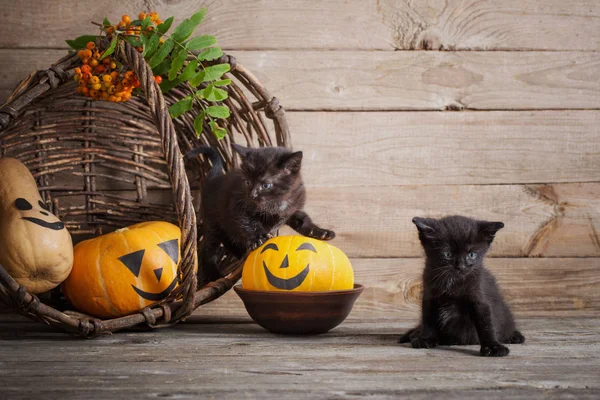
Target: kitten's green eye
[(267, 186), (447, 255), (248, 183), (472, 255)]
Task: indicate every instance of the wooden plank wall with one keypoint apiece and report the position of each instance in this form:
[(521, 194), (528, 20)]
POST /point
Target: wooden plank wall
[(488, 108)]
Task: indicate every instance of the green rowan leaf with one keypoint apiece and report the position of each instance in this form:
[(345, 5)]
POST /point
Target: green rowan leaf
[(200, 42), (214, 72), (214, 94), (210, 54), (219, 132), (199, 16), (199, 123), (197, 79), (218, 111), (178, 61), (183, 30), (189, 70), (162, 52), (181, 107), (222, 82), (164, 27)]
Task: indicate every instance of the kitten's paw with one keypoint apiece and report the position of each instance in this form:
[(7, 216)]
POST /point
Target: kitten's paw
[(494, 350), (516, 338), (260, 241), (322, 234), (423, 343), (408, 336), (405, 338)]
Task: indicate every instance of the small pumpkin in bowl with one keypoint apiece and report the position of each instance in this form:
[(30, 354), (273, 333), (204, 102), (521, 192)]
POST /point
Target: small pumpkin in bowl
[(122, 272), (35, 247), (297, 285), (299, 264)]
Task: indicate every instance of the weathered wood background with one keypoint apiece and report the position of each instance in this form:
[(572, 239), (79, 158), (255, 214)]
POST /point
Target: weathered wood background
[(487, 108)]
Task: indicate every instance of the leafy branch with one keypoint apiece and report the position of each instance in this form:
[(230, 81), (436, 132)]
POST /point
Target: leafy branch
[(178, 59)]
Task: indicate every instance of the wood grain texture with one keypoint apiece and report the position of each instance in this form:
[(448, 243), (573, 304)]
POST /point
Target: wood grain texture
[(534, 287), (356, 360), (332, 24), (421, 148), (376, 221), (358, 80), (355, 80), (450, 148)]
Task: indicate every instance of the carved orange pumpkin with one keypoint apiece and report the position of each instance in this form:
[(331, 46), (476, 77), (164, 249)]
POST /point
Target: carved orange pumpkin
[(124, 271), (297, 263)]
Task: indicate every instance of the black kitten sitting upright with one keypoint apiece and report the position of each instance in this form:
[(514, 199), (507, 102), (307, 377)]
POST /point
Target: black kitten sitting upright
[(462, 303), (245, 207)]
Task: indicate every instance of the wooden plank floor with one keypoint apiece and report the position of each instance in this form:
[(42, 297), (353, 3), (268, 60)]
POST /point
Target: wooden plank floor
[(234, 358)]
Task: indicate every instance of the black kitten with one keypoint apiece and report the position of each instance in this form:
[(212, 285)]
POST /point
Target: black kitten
[(245, 207), (462, 303)]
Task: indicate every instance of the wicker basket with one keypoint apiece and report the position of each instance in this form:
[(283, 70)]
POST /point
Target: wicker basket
[(102, 166)]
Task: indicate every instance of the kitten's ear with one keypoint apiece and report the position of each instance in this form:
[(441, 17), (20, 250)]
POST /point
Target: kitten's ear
[(241, 150), (292, 162), (426, 226), (488, 230)]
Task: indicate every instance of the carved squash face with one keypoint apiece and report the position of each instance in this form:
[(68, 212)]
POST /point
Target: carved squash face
[(35, 246), (297, 263), (125, 271), (38, 214)]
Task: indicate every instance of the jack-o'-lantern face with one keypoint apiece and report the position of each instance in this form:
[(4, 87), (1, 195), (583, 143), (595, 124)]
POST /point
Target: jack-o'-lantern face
[(125, 271), (294, 281), (297, 263), (38, 214), (134, 262)]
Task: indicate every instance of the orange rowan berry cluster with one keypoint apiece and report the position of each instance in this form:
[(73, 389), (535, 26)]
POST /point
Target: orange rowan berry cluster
[(101, 79)]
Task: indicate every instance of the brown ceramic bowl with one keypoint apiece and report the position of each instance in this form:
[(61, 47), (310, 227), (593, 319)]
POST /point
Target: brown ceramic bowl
[(299, 313)]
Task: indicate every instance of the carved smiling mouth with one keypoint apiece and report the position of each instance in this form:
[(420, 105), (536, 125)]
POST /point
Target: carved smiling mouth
[(155, 296), (55, 226), (286, 284)]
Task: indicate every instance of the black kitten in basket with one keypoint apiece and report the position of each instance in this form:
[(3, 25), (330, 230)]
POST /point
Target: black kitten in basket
[(245, 208), (462, 303)]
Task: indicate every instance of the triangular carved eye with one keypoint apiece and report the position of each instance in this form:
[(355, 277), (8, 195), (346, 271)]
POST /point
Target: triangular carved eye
[(133, 261), (171, 248)]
